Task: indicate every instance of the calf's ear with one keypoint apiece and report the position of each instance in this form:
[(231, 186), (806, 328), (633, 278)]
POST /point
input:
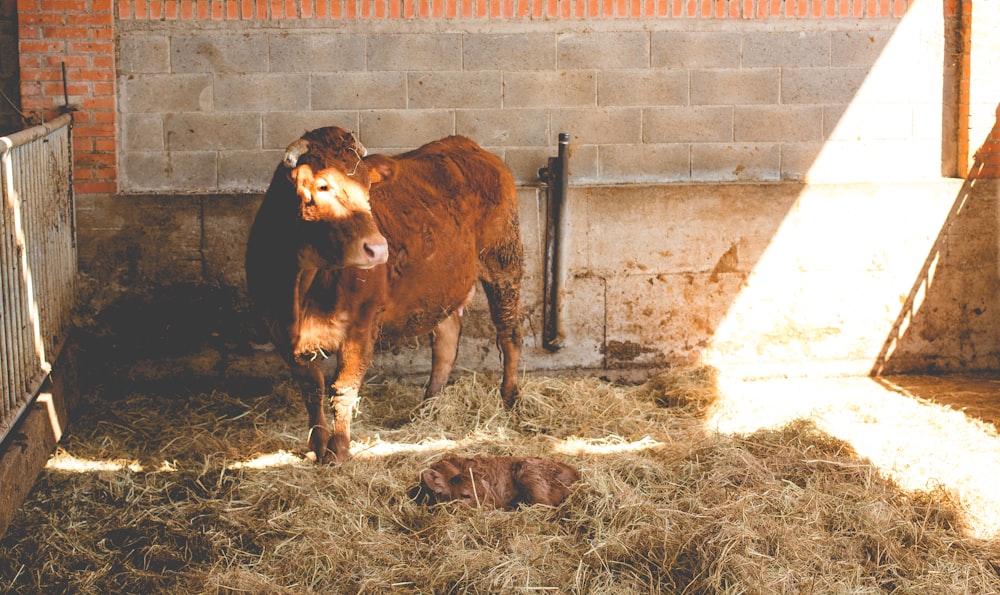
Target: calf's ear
[(436, 483)]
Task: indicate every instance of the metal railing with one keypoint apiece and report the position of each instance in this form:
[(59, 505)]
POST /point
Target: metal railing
[(37, 260)]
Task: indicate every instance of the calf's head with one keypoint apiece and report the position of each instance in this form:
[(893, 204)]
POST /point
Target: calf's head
[(453, 479), (332, 184)]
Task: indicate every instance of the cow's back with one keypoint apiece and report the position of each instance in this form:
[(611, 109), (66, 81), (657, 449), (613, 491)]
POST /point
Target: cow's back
[(446, 203)]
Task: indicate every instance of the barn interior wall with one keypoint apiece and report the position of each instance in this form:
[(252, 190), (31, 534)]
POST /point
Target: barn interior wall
[(753, 194), (760, 279)]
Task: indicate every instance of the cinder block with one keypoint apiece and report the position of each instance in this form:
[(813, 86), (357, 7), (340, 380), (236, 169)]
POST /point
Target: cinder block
[(247, 171), (515, 51), (158, 240), (549, 88), (735, 87), (176, 171), (525, 162), (926, 121), (143, 53), (786, 48), (677, 228), (165, 233), (644, 163), (219, 51), (531, 216), (906, 82), (642, 87), (665, 319), (583, 308), (877, 161), (142, 132), (582, 162), (504, 128), (166, 93), (603, 49), (227, 220), (404, 129), (821, 85), (322, 51), (415, 52), (832, 115), (358, 90), (249, 93), (778, 123), (712, 162), (797, 160), (697, 124), (605, 126), (281, 128), (201, 131), (427, 90), (857, 48), (695, 49), (874, 121)]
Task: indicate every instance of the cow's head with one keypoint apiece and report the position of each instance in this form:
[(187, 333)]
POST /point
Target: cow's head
[(332, 183)]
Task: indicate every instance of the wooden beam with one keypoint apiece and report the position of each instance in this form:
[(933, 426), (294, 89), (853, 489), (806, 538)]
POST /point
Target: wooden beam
[(32, 441)]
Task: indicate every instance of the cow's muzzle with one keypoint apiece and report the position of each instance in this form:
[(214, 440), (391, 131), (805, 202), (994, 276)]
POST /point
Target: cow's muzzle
[(370, 252)]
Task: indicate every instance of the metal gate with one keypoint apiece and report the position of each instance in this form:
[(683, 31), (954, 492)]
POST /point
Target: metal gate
[(37, 260)]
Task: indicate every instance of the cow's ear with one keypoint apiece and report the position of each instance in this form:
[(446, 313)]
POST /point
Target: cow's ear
[(436, 483), (301, 175), (380, 168)]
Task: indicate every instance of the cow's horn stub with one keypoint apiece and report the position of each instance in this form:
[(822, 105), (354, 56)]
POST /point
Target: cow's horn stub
[(362, 151), (295, 150)]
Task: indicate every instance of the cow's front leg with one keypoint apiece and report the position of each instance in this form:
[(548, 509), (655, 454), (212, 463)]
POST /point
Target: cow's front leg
[(355, 356), (313, 387)]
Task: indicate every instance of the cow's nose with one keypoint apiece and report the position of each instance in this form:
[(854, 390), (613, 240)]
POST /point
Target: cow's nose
[(376, 250)]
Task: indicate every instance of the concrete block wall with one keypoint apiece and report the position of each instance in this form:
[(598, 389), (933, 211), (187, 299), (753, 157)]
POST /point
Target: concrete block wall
[(210, 107)]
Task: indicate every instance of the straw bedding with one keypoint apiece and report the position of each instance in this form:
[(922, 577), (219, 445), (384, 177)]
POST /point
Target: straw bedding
[(206, 493)]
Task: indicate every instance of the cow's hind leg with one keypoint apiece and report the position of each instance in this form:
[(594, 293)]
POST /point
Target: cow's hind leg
[(501, 279), (444, 350), (312, 385)]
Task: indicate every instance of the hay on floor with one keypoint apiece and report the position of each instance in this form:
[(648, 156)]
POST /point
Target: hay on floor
[(210, 494)]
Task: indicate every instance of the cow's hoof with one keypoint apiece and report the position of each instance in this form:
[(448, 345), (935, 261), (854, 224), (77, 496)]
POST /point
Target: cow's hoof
[(338, 450), (319, 437)]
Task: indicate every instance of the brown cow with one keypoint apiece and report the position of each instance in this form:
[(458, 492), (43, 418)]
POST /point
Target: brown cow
[(348, 247), (498, 482)]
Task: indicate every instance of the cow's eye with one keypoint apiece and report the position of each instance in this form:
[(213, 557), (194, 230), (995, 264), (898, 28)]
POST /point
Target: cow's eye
[(323, 187)]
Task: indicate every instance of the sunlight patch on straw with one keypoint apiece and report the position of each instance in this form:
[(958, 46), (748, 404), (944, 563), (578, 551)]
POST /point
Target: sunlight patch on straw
[(920, 445), (266, 461), (604, 446), (63, 461), (376, 447)]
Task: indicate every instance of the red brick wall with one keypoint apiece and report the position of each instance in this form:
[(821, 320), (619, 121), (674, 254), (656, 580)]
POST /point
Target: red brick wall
[(79, 34), (505, 9)]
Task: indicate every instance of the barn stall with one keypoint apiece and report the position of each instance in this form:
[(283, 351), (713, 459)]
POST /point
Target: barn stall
[(773, 213)]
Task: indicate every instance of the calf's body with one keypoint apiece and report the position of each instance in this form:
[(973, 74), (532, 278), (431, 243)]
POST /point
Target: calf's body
[(498, 482)]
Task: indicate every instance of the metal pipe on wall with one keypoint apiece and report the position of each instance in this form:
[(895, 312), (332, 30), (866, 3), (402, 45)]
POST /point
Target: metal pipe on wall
[(556, 180)]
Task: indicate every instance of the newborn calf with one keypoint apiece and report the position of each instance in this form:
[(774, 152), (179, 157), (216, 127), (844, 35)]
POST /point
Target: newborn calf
[(498, 482)]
